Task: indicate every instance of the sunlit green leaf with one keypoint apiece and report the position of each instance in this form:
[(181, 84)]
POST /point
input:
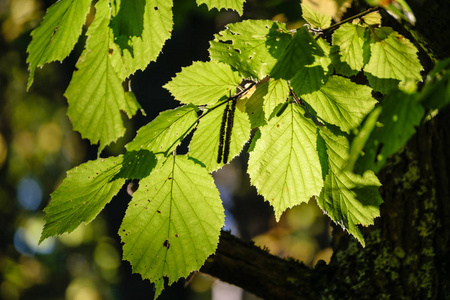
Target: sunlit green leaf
[(82, 195), (95, 94), (58, 33), (312, 77), (204, 83), (347, 198), (205, 143), (315, 18), (252, 47), (374, 18), (341, 102), (237, 5), (284, 165), (297, 54), (141, 27), (137, 164), (347, 53), (277, 93), (173, 222), (253, 105), (393, 58), (162, 135)]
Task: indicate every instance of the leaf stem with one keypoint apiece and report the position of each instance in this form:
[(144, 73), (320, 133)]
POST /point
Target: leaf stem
[(234, 97), (362, 14)]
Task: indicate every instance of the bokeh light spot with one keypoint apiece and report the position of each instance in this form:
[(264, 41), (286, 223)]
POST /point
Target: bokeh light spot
[(50, 137), (26, 238), (29, 193)]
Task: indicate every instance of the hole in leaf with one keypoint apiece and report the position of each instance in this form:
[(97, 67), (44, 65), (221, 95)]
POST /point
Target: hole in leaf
[(166, 244)]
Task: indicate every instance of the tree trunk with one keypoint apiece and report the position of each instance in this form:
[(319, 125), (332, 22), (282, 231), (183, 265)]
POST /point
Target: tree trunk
[(406, 253)]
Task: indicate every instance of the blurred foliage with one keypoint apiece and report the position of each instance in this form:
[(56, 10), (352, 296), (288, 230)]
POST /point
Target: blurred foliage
[(38, 145)]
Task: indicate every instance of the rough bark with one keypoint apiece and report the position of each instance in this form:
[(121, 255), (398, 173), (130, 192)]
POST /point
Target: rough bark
[(254, 269), (406, 253), (406, 250)]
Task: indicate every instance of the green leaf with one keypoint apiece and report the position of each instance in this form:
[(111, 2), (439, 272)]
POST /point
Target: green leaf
[(393, 58), (400, 115), (277, 93), (347, 198), (315, 18), (162, 135), (204, 83), (255, 137), (360, 140), (58, 33), (205, 143), (237, 5), (341, 102), (137, 164), (82, 195), (95, 94), (312, 77), (347, 51), (269, 93), (374, 18), (436, 92), (252, 47), (297, 54), (253, 105), (173, 222), (284, 165), (141, 27)]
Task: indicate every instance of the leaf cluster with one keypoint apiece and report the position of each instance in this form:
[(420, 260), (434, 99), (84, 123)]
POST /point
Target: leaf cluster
[(296, 98)]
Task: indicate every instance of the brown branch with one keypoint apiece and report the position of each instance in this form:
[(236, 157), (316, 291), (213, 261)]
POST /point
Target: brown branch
[(261, 273), (360, 15)]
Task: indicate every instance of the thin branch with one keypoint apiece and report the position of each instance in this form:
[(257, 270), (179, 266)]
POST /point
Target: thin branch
[(360, 15)]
